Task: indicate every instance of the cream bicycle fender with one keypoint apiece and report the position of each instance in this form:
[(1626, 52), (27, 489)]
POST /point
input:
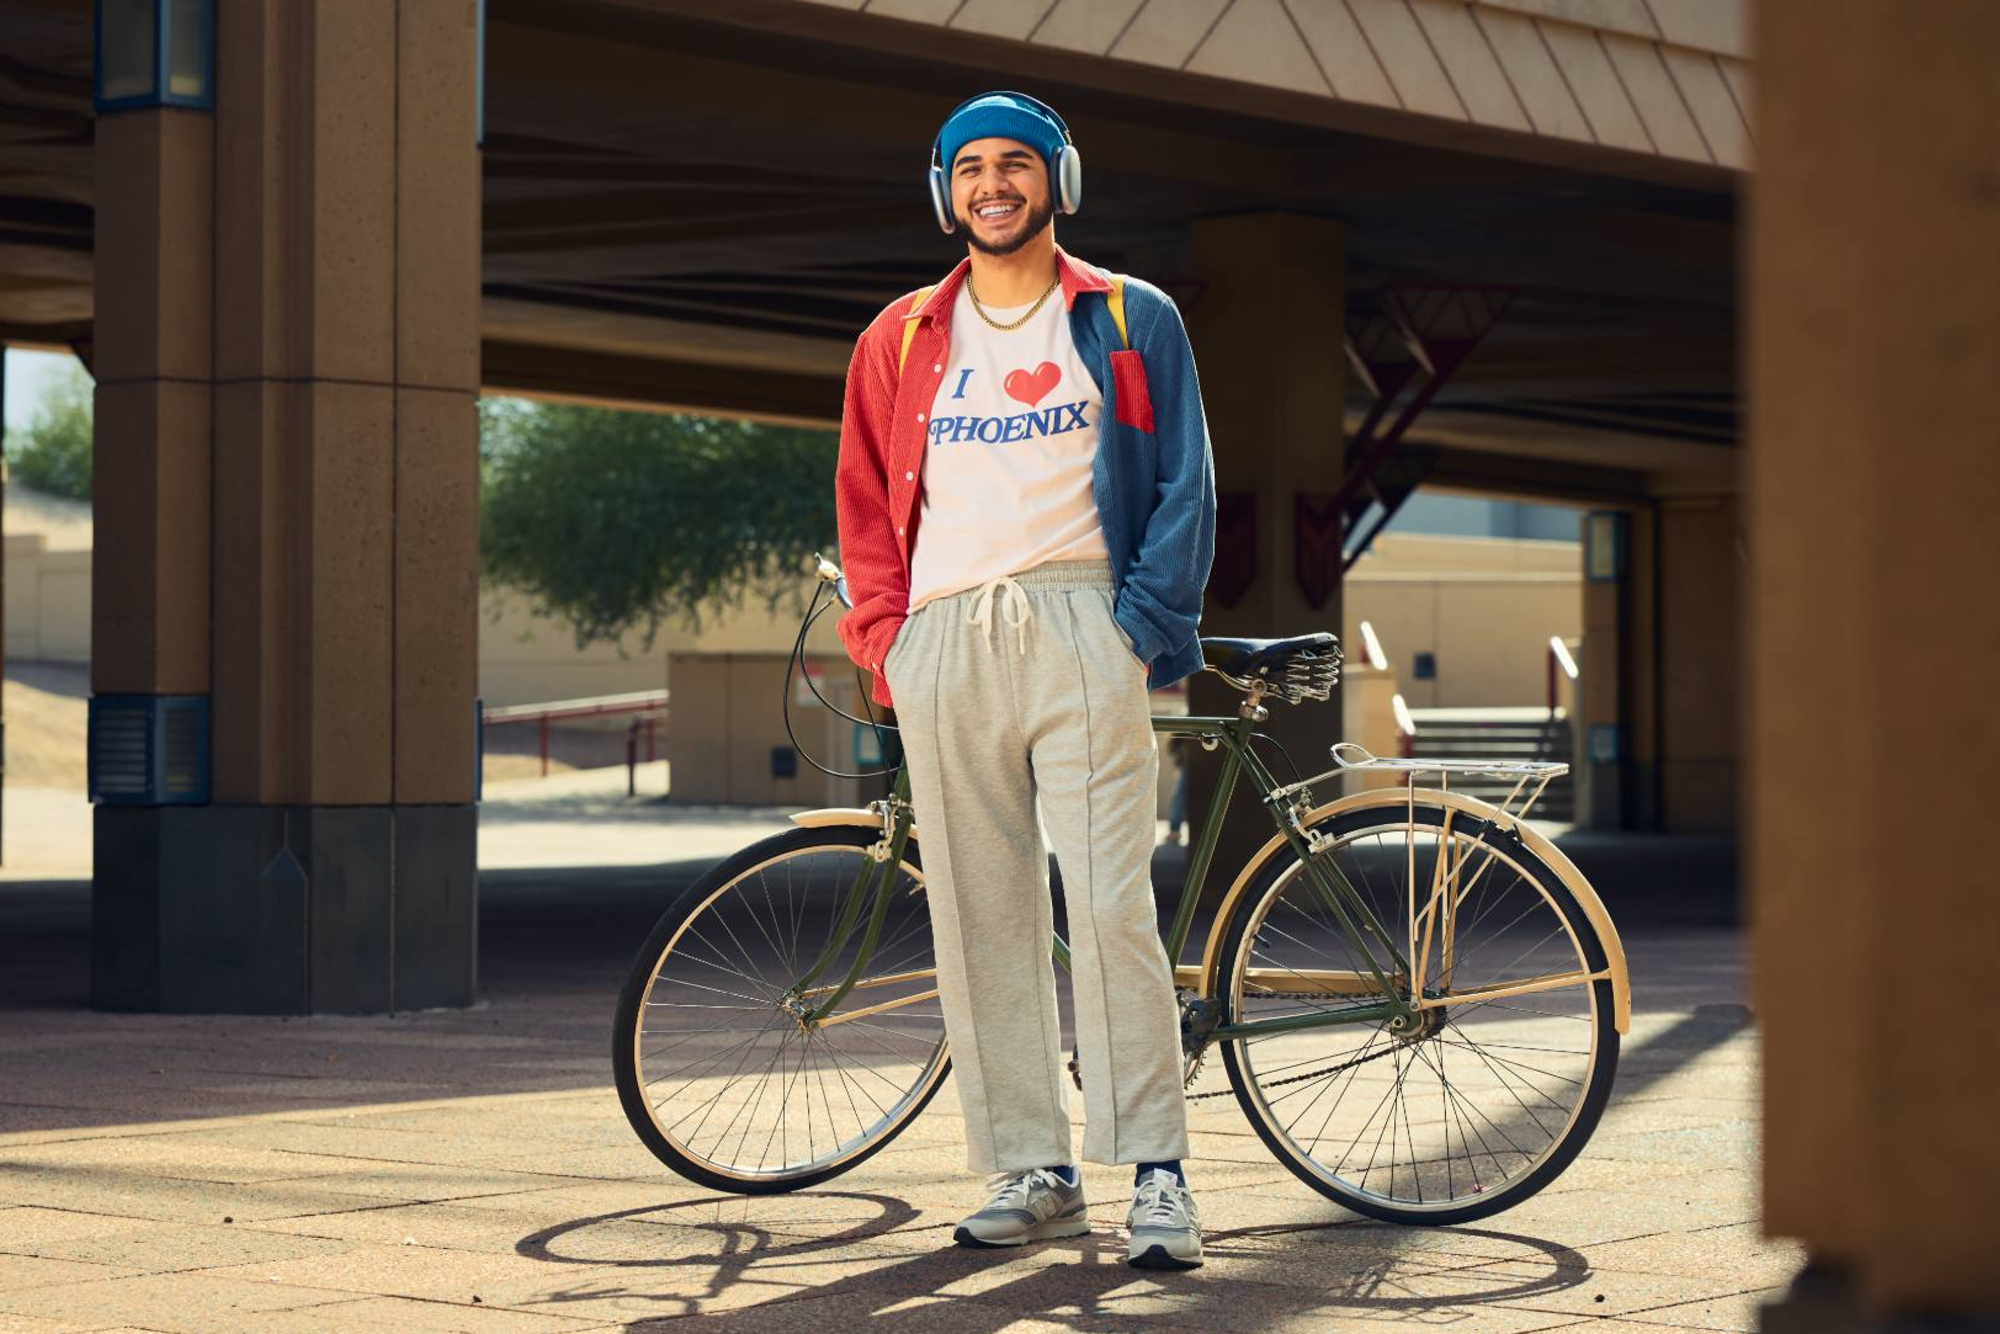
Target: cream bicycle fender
[(1550, 854), (840, 815)]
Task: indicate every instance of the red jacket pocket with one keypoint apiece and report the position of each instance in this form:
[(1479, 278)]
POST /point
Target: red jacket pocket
[(1133, 404)]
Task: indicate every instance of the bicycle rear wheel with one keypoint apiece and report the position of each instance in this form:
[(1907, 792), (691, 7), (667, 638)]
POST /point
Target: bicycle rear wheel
[(1495, 1088), (718, 1074)]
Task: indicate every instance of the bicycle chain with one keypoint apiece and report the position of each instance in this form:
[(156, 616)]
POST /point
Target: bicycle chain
[(1294, 1079)]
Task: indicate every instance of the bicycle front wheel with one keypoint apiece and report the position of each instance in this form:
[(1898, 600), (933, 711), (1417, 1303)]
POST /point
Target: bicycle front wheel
[(719, 1072), (1492, 1088)]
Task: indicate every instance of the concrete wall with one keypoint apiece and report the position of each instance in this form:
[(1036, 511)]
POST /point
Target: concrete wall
[(1485, 607), (726, 719), (528, 659), (48, 601)]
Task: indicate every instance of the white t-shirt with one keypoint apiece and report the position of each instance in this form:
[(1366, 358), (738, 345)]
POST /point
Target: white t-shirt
[(1008, 451)]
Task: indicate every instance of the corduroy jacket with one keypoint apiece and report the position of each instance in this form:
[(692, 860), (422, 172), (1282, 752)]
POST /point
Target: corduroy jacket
[(1153, 477)]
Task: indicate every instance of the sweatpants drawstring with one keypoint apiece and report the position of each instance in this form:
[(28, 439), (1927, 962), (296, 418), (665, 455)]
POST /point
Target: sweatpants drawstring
[(981, 611)]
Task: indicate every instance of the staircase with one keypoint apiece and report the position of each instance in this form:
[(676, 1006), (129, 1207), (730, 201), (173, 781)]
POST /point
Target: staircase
[(1499, 734)]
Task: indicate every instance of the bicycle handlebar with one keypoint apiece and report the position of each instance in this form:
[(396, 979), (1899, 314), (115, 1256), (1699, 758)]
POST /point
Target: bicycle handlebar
[(830, 573)]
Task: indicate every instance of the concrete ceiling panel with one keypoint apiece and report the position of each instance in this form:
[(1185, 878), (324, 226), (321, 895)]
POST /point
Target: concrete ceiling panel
[(1736, 73), (1657, 98), (914, 11), (1596, 86), (1012, 19), (1256, 42), (1532, 72), (1086, 25), (1719, 26), (1630, 17), (1700, 80), (1166, 32), (1462, 48), (1421, 82), (1343, 53)]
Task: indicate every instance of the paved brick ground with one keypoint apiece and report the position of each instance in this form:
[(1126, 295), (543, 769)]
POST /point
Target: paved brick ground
[(471, 1171)]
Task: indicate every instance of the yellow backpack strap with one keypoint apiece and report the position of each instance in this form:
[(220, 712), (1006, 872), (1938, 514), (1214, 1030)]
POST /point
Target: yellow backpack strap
[(1117, 303), (910, 326)]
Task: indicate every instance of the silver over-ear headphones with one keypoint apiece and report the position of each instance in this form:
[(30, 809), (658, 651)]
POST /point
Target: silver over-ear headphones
[(1065, 172)]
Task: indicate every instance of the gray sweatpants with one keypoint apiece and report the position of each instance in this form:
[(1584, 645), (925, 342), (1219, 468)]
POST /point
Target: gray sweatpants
[(1021, 689)]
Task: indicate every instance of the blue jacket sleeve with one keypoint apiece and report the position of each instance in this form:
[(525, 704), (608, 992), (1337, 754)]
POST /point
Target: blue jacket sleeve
[(1162, 596)]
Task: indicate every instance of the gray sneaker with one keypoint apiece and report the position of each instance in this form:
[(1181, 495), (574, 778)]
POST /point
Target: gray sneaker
[(1027, 1206), (1165, 1225)]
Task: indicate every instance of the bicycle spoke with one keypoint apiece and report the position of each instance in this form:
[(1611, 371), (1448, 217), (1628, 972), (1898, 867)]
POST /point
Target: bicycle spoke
[(726, 1093), (1387, 1119)]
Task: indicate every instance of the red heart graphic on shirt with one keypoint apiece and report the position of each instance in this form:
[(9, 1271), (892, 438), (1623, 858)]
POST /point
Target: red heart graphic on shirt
[(1031, 387)]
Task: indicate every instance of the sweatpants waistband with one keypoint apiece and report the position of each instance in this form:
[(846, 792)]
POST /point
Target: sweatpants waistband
[(1054, 576)]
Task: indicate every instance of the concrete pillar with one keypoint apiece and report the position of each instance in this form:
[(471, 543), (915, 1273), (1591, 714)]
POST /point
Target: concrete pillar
[(1699, 595), (1874, 397), (1268, 336), (287, 341), (3, 578)]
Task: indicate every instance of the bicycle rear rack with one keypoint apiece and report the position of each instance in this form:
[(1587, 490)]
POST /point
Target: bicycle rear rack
[(1532, 777), (1514, 806)]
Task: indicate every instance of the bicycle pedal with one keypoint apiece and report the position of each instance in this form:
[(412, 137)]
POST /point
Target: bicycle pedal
[(1076, 1069)]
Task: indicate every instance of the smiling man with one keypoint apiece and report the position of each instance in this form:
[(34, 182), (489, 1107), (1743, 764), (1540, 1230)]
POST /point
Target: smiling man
[(1023, 450)]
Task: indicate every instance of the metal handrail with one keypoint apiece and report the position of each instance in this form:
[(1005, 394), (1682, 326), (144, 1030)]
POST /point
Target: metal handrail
[(649, 702)]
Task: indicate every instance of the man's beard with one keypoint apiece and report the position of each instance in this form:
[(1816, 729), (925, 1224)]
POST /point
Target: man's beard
[(1038, 218)]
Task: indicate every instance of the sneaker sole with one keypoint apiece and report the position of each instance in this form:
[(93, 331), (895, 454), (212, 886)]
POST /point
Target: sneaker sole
[(1158, 1257), (1049, 1231)]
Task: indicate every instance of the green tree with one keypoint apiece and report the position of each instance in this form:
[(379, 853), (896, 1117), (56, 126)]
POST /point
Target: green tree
[(53, 453), (617, 521)]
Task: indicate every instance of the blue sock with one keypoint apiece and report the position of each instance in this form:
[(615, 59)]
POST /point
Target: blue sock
[(1068, 1174), (1174, 1167)]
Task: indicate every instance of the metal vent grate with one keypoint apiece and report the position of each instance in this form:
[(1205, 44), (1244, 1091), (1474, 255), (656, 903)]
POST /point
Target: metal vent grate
[(149, 750)]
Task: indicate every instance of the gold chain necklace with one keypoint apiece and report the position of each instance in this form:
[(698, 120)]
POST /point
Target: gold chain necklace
[(969, 291)]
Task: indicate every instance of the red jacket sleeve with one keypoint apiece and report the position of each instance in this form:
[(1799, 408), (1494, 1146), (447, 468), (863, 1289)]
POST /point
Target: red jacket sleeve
[(876, 579)]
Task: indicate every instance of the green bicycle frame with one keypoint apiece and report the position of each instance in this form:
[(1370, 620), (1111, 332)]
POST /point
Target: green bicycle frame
[(1356, 920)]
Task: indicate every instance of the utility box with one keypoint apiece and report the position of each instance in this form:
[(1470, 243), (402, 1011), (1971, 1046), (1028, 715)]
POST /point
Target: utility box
[(726, 739)]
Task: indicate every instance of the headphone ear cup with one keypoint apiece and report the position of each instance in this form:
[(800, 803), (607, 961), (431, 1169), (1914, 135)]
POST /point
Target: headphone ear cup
[(941, 201), (1069, 178)]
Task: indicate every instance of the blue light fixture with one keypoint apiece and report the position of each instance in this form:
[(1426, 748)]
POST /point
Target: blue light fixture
[(479, 81), (155, 53), (1604, 546)]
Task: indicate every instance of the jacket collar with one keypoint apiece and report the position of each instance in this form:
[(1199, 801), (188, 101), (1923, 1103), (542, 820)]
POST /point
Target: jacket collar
[(1074, 275)]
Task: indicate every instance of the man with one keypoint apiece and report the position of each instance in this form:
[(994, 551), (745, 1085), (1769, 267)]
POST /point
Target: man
[(1008, 463)]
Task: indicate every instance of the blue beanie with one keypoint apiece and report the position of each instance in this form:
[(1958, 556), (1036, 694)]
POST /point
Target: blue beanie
[(1001, 115)]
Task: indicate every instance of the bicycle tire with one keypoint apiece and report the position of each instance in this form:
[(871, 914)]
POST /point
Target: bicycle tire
[(1590, 1105), (628, 1032)]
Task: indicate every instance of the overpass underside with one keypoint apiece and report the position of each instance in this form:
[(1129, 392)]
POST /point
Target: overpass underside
[(1488, 246)]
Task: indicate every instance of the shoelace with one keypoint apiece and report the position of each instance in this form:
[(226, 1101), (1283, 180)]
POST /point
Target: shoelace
[(1160, 1205), (1013, 1189), (981, 611)]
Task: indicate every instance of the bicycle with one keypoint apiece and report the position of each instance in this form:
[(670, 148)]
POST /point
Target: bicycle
[(1348, 978)]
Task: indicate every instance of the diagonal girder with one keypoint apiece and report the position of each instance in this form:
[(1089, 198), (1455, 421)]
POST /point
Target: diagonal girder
[(1404, 352)]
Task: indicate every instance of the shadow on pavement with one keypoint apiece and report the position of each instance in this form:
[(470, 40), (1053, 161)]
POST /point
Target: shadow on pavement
[(1080, 1284)]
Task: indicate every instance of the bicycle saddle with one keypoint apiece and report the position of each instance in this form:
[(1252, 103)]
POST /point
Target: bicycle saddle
[(1294, 668)]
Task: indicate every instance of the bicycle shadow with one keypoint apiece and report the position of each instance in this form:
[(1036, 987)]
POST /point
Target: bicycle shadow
[(1368, 1271)]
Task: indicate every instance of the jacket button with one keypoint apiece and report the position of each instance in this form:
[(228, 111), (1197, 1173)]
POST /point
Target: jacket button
[(937, 370), (920, 416), (899, 532), (909, 477)]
